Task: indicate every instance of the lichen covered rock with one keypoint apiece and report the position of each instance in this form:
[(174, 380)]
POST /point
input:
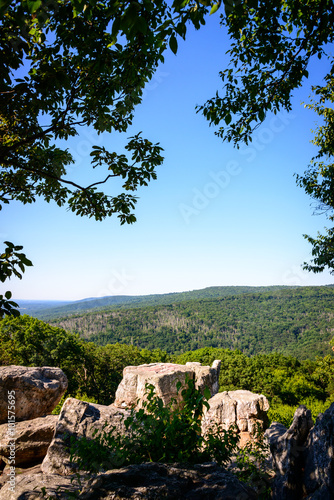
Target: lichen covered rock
[(32, 439), (151, 481)]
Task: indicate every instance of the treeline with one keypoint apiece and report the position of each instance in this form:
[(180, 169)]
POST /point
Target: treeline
[(297, 322), (94, 372)]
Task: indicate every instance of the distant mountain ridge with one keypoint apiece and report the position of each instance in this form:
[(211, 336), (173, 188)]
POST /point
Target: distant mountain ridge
[(54, 309)]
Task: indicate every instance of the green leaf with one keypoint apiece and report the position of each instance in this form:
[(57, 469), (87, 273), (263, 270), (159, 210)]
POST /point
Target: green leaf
[(214, 8), (207, 393), (33, 5), (173, 44), (141, 25), (229, 6)]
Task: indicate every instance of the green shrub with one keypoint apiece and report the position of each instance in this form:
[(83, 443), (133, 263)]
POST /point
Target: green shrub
[(283, 413), (158, 433)]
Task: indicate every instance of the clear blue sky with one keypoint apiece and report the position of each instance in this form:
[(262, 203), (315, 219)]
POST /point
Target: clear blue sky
[(215, 216)]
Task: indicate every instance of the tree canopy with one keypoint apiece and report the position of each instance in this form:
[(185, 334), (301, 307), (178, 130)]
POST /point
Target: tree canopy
[(67, 65), (272, 44), (12, 263), (71, 64)]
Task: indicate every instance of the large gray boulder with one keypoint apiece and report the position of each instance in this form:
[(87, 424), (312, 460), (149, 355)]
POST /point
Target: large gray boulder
[(242, 409), (80, 419), (34, 392), (164, 377), (319, 458), (151, 481), (32, 439), (287, 447)]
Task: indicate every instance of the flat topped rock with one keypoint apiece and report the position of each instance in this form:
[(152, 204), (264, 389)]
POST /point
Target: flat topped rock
[(153, 368), (164, 377)]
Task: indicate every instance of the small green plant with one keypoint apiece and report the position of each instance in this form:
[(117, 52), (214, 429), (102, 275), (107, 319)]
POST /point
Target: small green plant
[(251, 466), (158, 433)]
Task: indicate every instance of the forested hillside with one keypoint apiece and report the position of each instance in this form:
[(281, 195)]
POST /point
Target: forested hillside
[(98, 303), (298, 322)]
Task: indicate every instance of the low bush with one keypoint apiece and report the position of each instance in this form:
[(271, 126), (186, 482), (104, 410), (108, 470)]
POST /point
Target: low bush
[(159, 433)]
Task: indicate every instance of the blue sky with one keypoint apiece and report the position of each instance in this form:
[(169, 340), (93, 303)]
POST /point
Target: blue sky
[(215, 216)]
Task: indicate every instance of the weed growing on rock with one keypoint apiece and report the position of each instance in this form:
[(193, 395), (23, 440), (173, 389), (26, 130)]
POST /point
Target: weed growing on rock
[(159, 433)]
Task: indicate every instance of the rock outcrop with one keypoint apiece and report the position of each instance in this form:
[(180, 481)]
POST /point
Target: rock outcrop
[(36, 391), (80, 419), (287, 449), (303, 456), (243, 409), (319, 458), (164, 377), (32, 439), (152, 481)]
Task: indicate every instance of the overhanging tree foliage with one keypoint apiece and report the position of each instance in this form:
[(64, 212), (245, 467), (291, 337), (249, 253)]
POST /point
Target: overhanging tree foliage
[(318, 180), (272, 45), (12, 263), (72, 64)]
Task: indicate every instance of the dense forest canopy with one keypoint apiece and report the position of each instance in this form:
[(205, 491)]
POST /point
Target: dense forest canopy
[(298, 322), (47, 312)]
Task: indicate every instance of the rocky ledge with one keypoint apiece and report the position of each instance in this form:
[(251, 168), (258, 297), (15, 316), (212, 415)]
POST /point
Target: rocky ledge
[(152, 481), (303, 455)]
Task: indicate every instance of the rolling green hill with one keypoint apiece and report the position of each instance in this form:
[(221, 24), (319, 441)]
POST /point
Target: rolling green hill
[(98, 303), (295, 321)]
